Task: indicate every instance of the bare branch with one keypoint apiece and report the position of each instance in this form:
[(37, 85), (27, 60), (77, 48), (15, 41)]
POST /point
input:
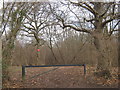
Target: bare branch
[(111, 19), (27, 31), (77, 29), (89, 8), (113, 30), (105, 11), (4, 26), (28, 27)]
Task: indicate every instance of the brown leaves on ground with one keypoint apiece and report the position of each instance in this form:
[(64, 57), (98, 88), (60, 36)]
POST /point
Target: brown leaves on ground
[(111, 82), (63, 77)]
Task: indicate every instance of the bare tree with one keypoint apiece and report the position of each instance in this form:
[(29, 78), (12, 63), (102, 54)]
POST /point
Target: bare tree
[(37, 19), (50, 36), (100, 18), (12, 18)]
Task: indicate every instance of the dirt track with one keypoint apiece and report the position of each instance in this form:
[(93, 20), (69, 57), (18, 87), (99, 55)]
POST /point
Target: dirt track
[(63, 77)]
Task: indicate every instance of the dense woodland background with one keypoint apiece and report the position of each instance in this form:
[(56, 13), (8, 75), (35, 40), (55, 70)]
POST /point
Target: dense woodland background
[(73, 50)]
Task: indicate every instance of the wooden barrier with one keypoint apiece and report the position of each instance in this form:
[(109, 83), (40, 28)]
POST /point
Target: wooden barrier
[(23, 68)]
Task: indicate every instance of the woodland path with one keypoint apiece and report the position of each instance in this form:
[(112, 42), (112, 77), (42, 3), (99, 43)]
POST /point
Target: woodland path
[(63, 77)]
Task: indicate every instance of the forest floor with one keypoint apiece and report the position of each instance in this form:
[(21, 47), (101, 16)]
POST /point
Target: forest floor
[(62, 77)]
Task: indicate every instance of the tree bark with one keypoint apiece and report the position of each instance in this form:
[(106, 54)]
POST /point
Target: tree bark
[(103, 47), (0, 63)]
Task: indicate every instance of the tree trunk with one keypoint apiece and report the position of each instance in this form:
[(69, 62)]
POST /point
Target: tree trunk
[(0, 63), (7, 56), (103, 47)]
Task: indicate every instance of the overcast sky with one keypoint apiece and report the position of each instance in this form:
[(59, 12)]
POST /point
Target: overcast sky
[(1, 4)]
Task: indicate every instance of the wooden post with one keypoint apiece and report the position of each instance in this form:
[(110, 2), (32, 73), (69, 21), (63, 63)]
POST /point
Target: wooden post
[(84, 69), (23, 72)]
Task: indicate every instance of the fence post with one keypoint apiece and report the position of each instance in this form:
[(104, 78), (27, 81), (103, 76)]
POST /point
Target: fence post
[(84, 69), (23, 72)]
